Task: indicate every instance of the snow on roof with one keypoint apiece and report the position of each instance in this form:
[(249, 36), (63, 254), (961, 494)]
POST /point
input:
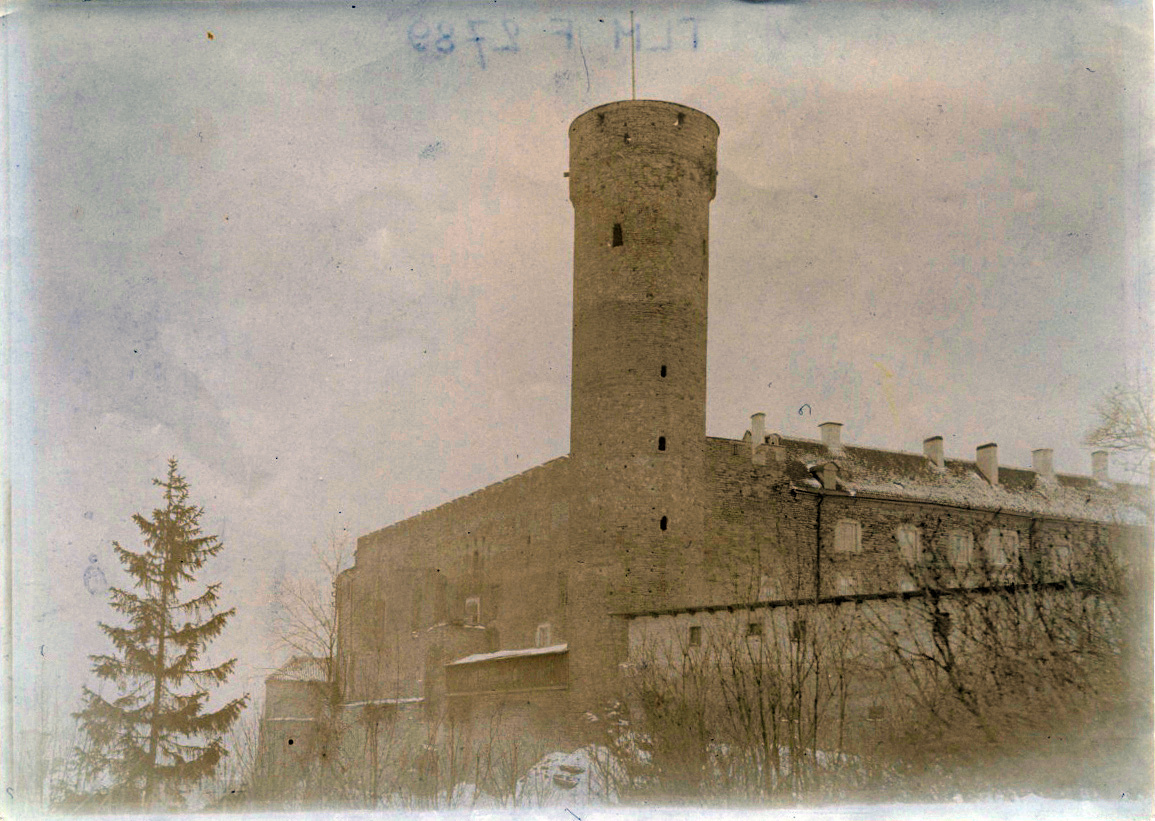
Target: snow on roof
[(379, 701), (912, 476), (509, 654), (303, 668)]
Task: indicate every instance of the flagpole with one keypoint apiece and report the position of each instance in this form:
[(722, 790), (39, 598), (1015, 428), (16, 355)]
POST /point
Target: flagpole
[(633, 73)]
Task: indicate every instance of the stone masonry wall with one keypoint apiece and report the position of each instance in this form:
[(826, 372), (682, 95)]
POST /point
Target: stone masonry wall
[(497, 545), (641, 176)]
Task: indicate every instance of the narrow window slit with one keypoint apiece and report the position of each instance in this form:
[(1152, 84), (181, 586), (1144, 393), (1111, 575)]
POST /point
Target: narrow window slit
[(617, 234), (664, 523), (663, 372), (661, 443)]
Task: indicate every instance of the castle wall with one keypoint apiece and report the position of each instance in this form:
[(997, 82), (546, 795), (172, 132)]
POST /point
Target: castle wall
[(765, 531), (879, 565), (486, 560), (829, 673), (759, 541)]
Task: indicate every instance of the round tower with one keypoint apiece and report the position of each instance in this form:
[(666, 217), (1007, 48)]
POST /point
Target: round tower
[(641, 179)]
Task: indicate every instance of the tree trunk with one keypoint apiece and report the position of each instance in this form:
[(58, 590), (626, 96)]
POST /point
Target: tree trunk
[(157, 691)]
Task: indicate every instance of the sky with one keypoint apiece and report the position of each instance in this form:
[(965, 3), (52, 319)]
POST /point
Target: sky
[(322, 255)]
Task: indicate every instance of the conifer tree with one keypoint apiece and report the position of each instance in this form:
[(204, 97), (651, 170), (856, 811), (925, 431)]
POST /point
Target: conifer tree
[(155, 736)]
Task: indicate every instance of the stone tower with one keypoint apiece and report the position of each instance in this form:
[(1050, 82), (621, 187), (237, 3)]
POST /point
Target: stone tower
[(641, 179)]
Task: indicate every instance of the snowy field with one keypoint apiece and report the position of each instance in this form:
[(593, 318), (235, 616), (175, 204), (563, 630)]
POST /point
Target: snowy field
[(572, 787), (1025, 809)]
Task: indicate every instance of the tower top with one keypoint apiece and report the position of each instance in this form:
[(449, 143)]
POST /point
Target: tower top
[(621, 146), (605, 110)]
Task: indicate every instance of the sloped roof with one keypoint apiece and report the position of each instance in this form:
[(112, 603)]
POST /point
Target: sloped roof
[(303, 668), (912, 476), (509, 654)]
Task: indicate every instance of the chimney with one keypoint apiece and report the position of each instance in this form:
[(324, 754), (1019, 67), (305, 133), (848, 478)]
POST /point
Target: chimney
[(987, 460), (1042, 462), (757, 430), (1099, 466), (932, 450), (831, 435)]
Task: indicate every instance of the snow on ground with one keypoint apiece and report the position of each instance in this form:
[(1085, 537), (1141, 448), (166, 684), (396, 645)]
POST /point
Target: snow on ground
[(584, 777), (1023, 809)]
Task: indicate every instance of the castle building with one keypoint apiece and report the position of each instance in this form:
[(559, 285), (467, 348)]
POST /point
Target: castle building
[(529, 594)]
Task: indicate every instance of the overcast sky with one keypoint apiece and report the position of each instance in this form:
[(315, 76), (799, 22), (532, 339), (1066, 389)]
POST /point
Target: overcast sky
[(323, 254)]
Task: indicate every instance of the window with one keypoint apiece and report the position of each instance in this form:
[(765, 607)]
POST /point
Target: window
[(909, 544), (942, 625), (543, 636), (875, 713), (960, 548), (754, 628), (768, 588), (617, 235), (1002, 547), (695, 635), (473, 610), (681, 119), (661, 443), (798, 631), (848, 537), (1061, 555), (663, 372), (664, 523)]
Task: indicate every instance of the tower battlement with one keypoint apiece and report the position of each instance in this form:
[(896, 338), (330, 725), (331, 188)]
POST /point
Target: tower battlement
[(665, 144)]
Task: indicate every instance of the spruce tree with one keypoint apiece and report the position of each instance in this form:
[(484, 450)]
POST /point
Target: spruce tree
[(155, 736)]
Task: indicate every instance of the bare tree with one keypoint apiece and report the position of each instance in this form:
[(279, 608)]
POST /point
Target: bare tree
[(43, 748), (307, 622), (998, 658), (748, 705), (306, 626), (1127, 422), (239, 780)]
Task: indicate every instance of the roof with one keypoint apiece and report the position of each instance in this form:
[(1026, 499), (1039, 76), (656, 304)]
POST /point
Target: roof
[(303, 668), (909, 476), (477, 658), (385, 702)]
